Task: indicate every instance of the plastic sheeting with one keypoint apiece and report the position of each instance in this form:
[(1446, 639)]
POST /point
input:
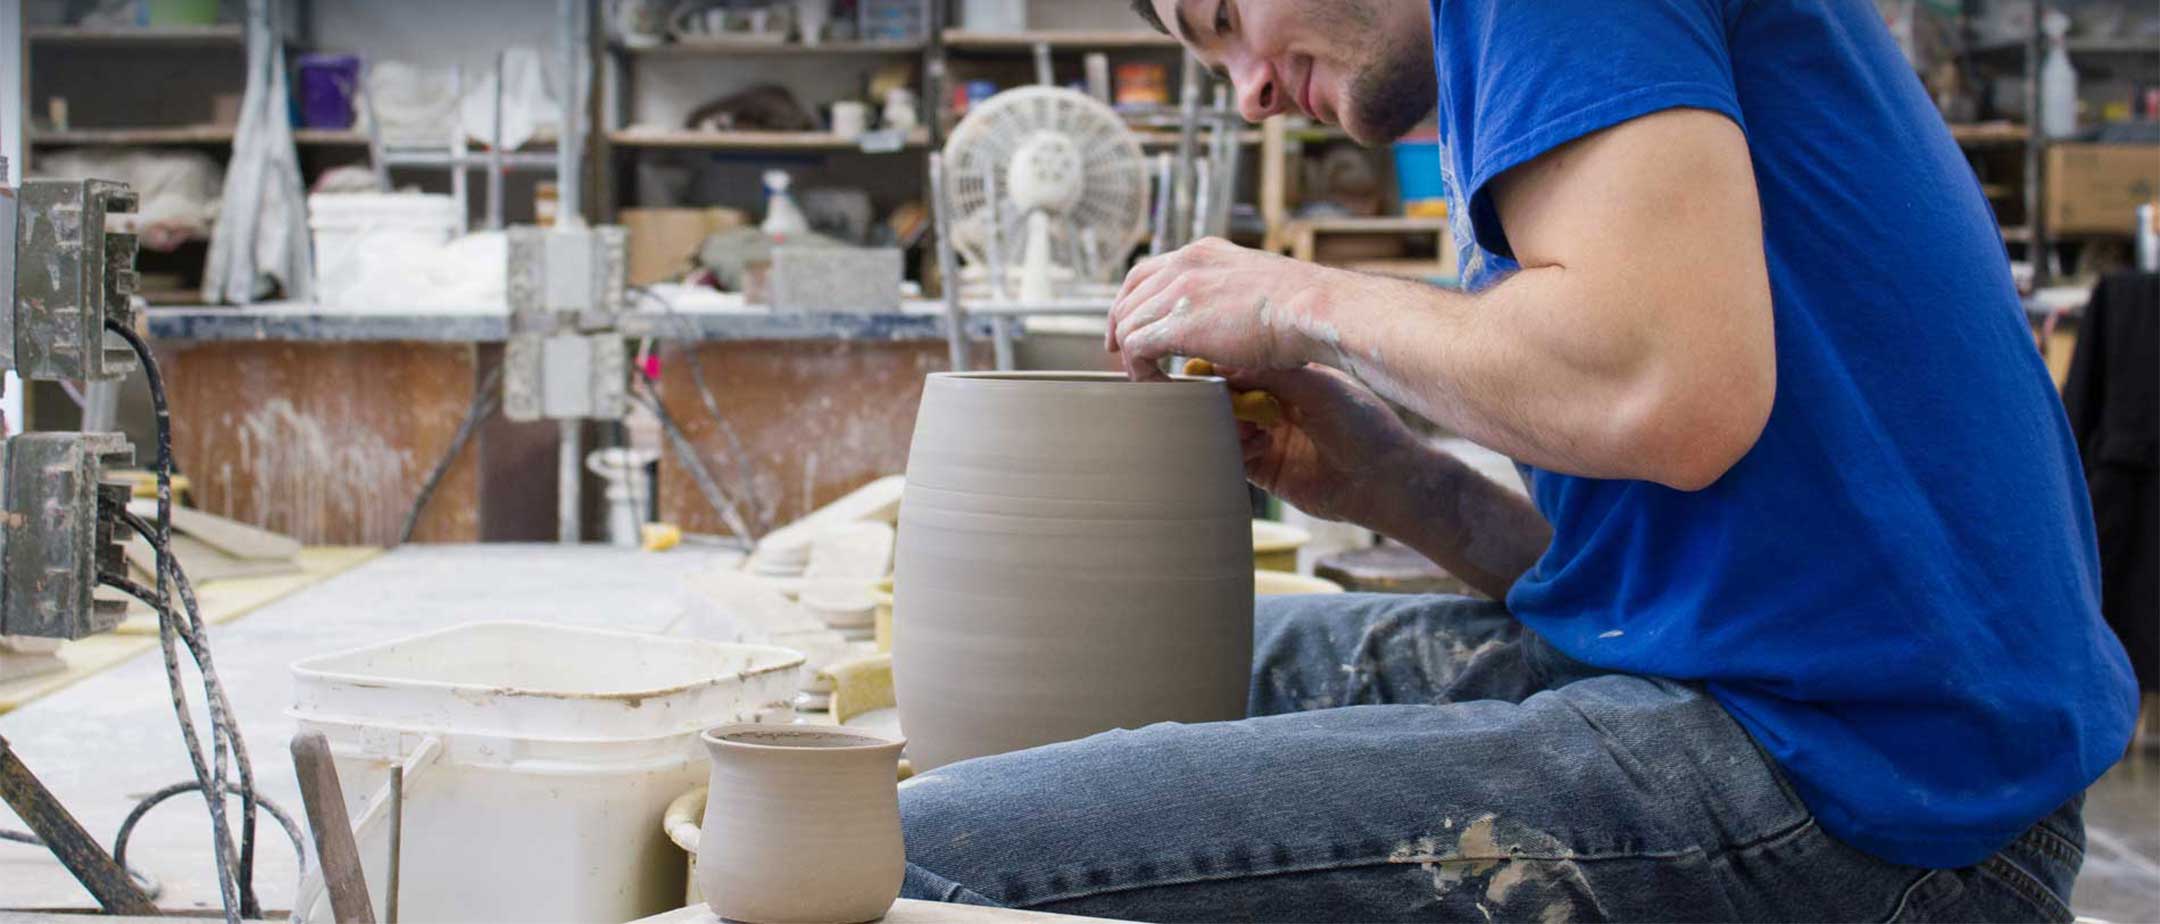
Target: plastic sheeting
[(260, 243)]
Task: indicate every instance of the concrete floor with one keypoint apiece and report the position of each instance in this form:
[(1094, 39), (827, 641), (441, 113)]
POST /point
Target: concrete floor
[(2121, 879), (107, 740)]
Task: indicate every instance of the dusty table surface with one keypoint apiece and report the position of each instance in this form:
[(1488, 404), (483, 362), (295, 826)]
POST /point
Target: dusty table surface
[(103, 742), (905, 911)]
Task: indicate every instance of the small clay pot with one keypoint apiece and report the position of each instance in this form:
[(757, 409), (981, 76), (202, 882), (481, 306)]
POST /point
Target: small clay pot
[(802, 825)]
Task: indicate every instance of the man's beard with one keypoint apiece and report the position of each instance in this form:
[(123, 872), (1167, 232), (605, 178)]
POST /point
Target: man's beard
[(1394, 93)]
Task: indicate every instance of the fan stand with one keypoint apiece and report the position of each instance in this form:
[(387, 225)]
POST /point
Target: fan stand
[(1035, 287)]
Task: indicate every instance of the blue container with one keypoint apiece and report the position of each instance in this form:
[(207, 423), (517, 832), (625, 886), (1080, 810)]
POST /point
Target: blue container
[(328, 84), (1418, 173)]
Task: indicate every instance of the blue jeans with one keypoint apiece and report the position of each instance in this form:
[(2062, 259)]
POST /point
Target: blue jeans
[(1427, 758)]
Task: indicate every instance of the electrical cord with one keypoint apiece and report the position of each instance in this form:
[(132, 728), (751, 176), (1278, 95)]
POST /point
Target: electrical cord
[(486, 401), (235, 874), (688, 454), (746, 479)]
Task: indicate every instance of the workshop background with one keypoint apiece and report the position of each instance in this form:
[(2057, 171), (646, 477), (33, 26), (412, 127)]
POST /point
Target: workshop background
[(385, 397)]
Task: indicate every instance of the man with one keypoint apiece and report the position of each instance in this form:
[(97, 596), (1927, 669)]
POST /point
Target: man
[(1812, 632)]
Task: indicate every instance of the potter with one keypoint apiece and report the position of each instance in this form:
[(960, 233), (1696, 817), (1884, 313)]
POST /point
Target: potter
[(1075, 555)]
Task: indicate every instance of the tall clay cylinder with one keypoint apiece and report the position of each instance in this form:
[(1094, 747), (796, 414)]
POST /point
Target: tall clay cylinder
[(1075, 555), (802, 825)]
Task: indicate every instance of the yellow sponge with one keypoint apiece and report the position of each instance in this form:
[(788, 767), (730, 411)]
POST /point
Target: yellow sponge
[(1254, 407)]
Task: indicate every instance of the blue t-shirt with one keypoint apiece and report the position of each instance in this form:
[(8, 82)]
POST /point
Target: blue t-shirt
[(1897, 591)]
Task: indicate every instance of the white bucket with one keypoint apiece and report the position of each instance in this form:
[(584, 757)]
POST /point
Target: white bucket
[(538, 760), (359, 235)]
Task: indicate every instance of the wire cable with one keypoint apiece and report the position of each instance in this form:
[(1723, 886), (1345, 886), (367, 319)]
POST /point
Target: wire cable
[(485, 402), (235, 874), (687, 453), (745, 477)]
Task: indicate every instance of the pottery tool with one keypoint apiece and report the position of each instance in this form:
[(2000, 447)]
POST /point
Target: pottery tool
[(1254, 407), (335, 848)]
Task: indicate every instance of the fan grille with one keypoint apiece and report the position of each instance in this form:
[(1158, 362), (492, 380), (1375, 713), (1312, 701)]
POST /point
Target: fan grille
[(1113, 204)]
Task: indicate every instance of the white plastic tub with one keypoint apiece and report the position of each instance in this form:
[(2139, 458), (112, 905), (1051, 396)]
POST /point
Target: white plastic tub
[(362, 237), (538, 761)]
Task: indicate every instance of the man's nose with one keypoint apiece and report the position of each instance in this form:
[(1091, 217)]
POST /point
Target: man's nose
[(1260, 94)]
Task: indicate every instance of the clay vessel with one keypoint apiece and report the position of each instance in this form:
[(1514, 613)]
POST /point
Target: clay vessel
[(802, 825), (1075, 556)]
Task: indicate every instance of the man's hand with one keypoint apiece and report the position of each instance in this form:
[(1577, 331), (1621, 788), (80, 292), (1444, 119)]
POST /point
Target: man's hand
[(1333, 437), (1242, 309)]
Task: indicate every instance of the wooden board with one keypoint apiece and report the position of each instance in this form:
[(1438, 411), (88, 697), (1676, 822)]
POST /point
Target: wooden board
[(220, 602), (817, 420), (326, 442)]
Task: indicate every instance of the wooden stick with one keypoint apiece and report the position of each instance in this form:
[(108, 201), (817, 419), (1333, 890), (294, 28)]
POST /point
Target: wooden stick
[(335, 848)]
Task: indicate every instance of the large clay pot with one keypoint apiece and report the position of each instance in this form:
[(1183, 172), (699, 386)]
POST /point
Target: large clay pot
[(1075, 555), (802, 825)]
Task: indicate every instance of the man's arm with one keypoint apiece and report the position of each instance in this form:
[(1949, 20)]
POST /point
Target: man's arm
[(1635, 343)]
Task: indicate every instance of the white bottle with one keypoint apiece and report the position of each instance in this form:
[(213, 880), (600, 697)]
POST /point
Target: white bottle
[(782, 216), (2058, 81)]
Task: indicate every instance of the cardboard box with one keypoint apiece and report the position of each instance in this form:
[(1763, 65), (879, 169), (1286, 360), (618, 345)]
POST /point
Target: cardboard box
[(2096, 188), (664, 242)]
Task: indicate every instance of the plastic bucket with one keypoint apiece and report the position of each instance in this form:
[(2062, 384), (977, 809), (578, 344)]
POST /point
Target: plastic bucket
[(1418, 173), (358, 235), (538, 760)]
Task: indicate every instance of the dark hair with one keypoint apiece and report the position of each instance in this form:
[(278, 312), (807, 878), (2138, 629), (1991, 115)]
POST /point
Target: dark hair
[(1146, 9)]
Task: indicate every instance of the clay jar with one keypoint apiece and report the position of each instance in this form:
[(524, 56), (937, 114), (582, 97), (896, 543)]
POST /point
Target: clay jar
[(802, 825), (1075, 556)]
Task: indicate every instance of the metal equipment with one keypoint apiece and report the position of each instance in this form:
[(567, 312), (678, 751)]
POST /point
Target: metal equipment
[(69, 315), (73, 275), (566, 360)]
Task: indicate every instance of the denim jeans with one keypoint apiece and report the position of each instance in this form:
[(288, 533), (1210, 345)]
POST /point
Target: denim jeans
[(1427, 758)]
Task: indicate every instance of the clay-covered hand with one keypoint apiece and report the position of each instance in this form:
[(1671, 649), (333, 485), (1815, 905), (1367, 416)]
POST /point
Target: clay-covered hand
[(1242, 308), (1329, 455)]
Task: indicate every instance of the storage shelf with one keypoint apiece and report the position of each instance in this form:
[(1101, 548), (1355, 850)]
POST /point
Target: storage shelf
[(1986, 133), (2078, 47), (179, 134), (1382, 225), (748, 141), (231, 34), (965, 40), (726, 47)]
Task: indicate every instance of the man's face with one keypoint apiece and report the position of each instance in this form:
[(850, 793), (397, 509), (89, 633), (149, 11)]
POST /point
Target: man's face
[(1364, 65)]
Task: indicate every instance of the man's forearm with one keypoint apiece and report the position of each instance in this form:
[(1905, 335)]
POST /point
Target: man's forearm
[(1478, 530), (1523, 369)]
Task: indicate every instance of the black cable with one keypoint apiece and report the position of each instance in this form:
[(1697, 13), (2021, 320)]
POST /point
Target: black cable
[(484, 404), (687, 453), (153, 800), (224, 731), (745, 477), (235, 877)]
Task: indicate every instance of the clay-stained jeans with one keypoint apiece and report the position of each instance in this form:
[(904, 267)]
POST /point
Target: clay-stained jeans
[(1426, 758)]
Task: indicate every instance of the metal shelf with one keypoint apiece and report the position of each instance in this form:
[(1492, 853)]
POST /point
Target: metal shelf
[(965, 40)]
